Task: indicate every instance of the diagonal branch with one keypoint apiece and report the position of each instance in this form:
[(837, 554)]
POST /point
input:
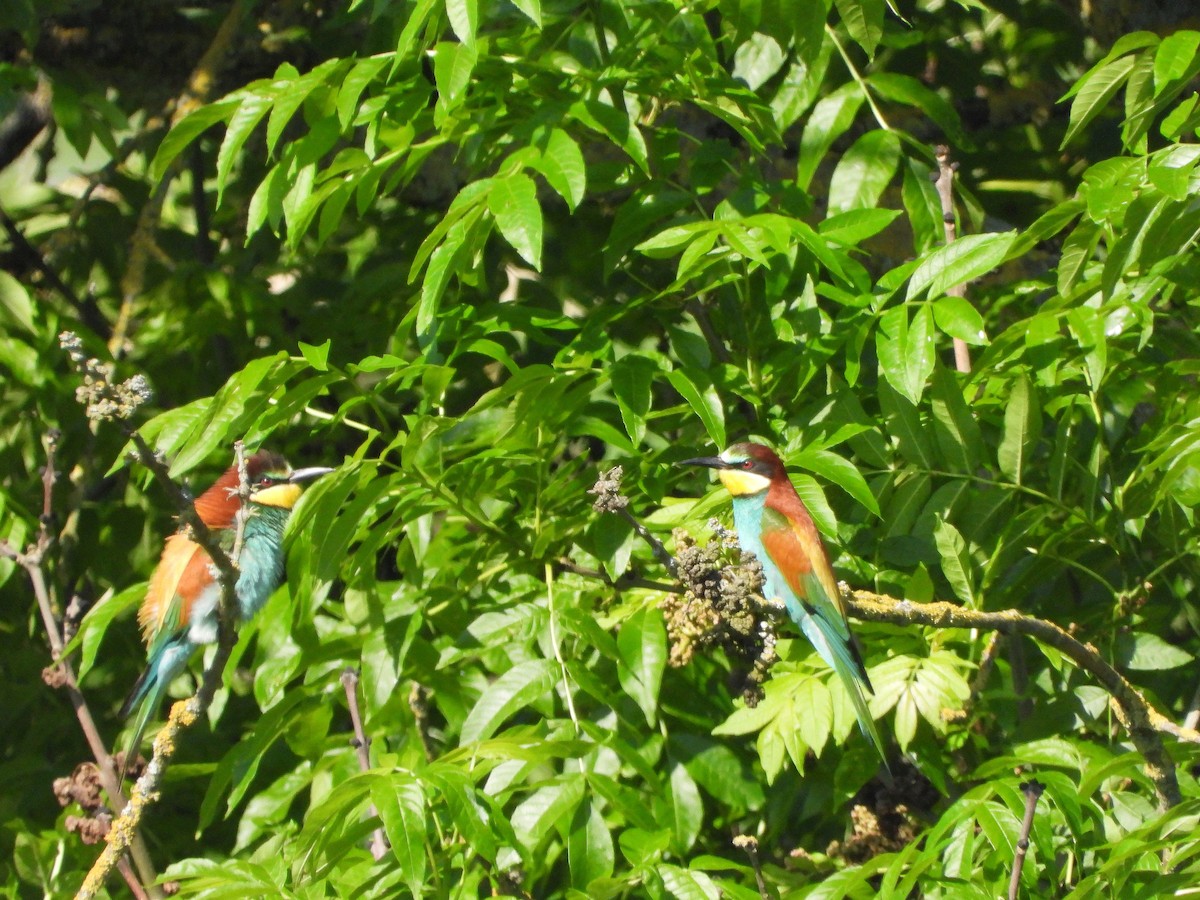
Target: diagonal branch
[(185, 713), (32, 561), (1145, 724)]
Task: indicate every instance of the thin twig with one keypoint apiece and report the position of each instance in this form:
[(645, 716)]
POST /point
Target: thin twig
[(749, 843), (945, 189), (858, 79), (420, 710), (1033, 790), (89, 313), (379, 844), (32, 561)]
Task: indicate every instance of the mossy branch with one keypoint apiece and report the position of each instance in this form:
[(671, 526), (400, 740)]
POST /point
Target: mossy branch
[(1145, 724)]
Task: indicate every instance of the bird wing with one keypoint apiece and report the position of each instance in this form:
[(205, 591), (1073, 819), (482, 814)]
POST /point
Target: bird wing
[(183, 572), (795, 549)]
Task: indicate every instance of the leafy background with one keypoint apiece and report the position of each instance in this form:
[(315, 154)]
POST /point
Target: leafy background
[(475, 253)]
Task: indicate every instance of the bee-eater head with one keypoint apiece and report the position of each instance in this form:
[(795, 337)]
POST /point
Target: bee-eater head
[(278, 484), (744, 468)]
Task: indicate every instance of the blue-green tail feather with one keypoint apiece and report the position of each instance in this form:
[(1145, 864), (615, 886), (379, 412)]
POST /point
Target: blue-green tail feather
[(166, 662), (843, 657)]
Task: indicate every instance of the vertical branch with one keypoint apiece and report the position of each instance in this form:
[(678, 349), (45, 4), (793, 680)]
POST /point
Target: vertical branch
[(63, 673), (1032, 790), (945, 189), (749, 843), (379, 845)]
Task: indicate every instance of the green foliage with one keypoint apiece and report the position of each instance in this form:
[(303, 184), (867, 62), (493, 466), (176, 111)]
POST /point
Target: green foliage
[(473, 254)]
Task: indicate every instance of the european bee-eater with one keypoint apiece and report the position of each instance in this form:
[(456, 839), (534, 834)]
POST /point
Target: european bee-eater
[(180, 611), (773, 524)]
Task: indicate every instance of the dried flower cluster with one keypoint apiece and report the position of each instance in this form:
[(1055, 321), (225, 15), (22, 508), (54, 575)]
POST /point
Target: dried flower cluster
[(83, 787), (608, 491), (722, 607), (103, 399)]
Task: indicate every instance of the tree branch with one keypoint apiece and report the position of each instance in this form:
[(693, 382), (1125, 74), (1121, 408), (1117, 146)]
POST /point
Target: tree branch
[(379, 844), (1033, 790), (1145, 724), (945, 189), (32, 561)]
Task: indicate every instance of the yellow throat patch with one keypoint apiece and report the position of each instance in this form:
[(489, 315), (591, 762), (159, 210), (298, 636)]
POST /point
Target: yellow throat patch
[(738, 482), (283, 495)]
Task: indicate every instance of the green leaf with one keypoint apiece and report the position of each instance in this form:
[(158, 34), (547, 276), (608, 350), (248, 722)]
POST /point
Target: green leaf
[(864, 20), (400, 802), (241, 125), (464, 18), (513, 201), (906, 89), (95, 625), (642, 642), (856, 225), (1175, 58), (958, 318), (704, 400), (840, 471), (545, 809), (812, 706), (532, 9), (187, 130), (515, 689), (864, 172), (318, 356), (956, 561), (1143, 651), (1095, 92), (687, 808), (957, 433), (453, 65), (15, 303), (905, 427), (563, 167), (971, 256), (1022, 428), (829, 120), (906, 352), (631, 377), (617, 125), (684, 884), (589, 845)]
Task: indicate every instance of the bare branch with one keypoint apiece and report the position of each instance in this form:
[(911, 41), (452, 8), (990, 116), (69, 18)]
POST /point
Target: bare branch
[(945, 189), (379, 844), (1033, 790)]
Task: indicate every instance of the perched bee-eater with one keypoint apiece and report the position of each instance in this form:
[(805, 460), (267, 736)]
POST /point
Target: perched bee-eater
[(180, 611), (773, 524)]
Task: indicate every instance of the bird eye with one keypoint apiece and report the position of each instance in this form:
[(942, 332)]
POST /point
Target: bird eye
[(747, 464), (264, 481)]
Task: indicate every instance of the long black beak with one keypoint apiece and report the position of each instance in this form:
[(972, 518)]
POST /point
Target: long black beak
[(309, 473), (712, 462)]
